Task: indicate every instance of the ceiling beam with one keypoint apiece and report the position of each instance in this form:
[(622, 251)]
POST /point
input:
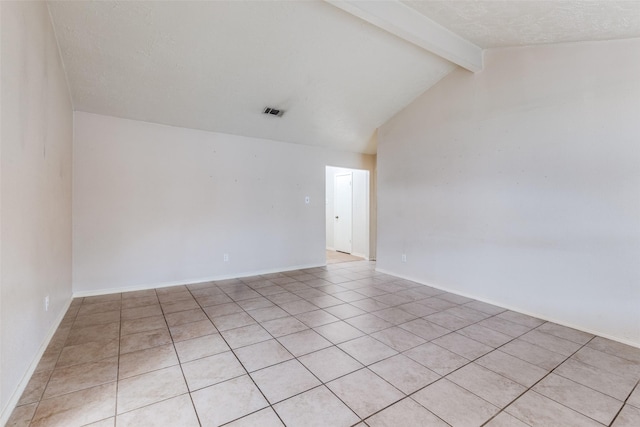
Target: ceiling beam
[(410, 25)]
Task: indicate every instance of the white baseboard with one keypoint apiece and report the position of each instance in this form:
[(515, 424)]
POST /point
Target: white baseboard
[(189, 281), (517, 309), (17, 393)]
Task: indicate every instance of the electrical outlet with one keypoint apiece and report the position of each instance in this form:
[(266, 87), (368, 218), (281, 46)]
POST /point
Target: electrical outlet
[(404, 257), (46, 303), (225, 258)]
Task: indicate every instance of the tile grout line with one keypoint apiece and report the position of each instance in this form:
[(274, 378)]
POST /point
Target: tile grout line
[(625, 403)]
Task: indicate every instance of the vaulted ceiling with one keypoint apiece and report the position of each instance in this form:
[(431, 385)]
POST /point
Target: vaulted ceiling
[(215, 65)]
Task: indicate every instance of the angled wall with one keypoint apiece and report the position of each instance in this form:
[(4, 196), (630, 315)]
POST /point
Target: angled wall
[(520, 185)]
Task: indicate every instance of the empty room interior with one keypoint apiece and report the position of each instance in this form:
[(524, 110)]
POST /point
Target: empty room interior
[(320, 213)]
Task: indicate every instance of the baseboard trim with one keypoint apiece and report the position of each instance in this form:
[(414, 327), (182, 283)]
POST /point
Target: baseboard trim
[(189, 281), (519, 310), (22, 385)]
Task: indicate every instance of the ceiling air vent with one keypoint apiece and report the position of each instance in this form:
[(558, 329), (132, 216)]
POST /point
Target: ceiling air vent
[(273, 111)]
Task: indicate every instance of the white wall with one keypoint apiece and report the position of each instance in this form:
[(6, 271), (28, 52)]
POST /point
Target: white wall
[(520, 185), (360, 209), (36, 192), (156, 205)]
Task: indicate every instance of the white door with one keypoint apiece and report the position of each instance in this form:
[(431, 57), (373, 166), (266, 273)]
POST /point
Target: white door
[(342, 210)]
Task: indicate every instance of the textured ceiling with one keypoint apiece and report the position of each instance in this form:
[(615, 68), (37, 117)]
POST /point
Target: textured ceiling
[(215, 65), (491, 24)]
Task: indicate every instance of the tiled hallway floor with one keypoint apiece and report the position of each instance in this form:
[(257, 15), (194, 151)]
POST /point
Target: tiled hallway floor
[(335, 346)]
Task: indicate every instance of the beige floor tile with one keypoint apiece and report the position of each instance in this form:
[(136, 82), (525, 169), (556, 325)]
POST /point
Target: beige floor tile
[(608, 362), (417, 309), (181, 295), (531, 353), (298, 307), (220, 310), (551, 342), (367, 350), (448, 320), (588, 402), (338, 332), (316, 318), (268, 313), (538, 411), (505, 420), (485, 335), (284, 326), (107, 422), (455, 405), (134, 326), (144, 340), (141, 312), (264, 418), (140, 302), (405, 413), (192, 330), (101, 307), (628, 417), (263, 354), (485, 308), (95, 333), (436, 358), (304, 342), (330, 363), (634, 398), (22, 415), (152, 387), (255, 303), (182, 305), (463, 346), (212, 370), (344, 311), (566, 333), (139, 294), (97, 319), (596, 378), (394, 315), (370, 304), (184, 317), (246, 335), (197, 348), (368, 323), (467, 313), (232, 321), (213, 300), (492, 387), (284, 380), (35, 388), (102, 298), (79, 377), (504, 326), (425, 329), (615, 348), (150, 359), (365, 392), (177, 411), (85, 353), (315, 408), (521, 319), (398, 339), (227, 401), (511, 367), (403, 373), (77, 408)]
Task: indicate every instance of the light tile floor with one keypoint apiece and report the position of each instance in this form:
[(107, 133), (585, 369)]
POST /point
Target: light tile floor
[(335, 346)]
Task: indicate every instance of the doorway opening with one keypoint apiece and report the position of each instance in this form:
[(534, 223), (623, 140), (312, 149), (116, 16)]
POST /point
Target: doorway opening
[(347, 214)]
